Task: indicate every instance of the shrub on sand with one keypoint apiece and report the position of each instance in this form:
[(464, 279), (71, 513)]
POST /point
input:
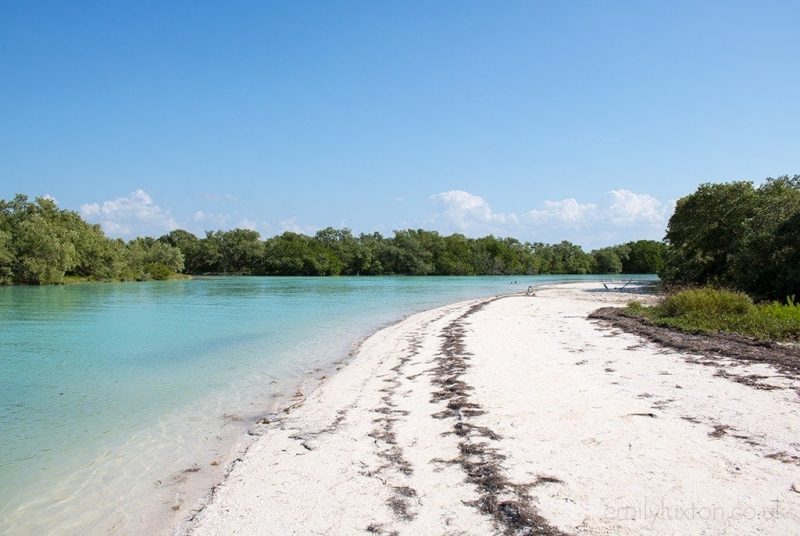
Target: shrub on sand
[(707, 301), (708, 310)]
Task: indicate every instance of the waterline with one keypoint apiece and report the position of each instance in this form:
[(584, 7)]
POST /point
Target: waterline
[(122, 402)]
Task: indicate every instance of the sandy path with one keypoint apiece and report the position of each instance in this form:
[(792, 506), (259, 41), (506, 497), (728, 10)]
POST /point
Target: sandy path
[(520, 415)]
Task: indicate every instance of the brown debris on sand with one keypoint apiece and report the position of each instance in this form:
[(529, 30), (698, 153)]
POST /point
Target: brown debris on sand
[(509, 504), (784, 358)]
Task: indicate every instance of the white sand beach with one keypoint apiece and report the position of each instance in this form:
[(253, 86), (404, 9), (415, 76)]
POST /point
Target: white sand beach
[(520, 415)]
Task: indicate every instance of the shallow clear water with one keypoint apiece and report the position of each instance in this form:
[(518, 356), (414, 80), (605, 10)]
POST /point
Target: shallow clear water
[(109, 392)]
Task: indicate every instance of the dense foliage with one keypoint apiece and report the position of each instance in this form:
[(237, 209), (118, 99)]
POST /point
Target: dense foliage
[(409, 252), (738, 236), (42, 244), (639, 257), (708, 310)]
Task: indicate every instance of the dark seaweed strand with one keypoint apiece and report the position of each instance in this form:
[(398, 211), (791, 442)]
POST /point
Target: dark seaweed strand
[(507, 503), (711, 345)]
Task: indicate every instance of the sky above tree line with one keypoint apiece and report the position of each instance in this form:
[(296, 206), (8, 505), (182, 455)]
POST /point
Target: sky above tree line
[(540, 120)]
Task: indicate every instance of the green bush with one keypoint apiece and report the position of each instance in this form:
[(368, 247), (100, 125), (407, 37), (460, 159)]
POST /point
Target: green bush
[(635, 306), (708, 310), (776, 321), (158, 271), (707, 301)]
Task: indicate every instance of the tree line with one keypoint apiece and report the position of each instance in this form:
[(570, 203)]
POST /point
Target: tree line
[(43, 244), (731, 234), (408, 252)]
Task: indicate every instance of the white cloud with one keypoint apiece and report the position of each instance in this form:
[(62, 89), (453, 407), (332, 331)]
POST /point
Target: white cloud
[(138, 215), (213, 219), (616, 208), (564, 211), (290, 224), (625, 207), (208, 196), (134, 215), (252, 225), (619, 216), (202, 221), (466, 211)]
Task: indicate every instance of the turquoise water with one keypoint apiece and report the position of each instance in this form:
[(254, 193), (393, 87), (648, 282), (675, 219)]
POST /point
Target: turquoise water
[(109, 391)]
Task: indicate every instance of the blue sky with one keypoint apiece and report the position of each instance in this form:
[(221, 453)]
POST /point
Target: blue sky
[(541, 120)]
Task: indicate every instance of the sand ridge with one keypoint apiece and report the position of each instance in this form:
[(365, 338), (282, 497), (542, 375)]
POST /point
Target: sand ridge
[(520, 415)]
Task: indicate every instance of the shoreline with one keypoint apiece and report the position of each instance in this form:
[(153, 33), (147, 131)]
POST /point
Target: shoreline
[(149, 478), (417, 435), (293, 403), (282, 406)]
